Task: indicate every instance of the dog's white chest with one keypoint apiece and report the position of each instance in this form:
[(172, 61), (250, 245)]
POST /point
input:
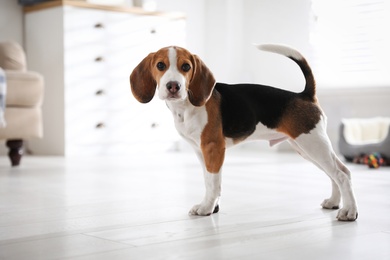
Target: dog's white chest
[(189, 120)]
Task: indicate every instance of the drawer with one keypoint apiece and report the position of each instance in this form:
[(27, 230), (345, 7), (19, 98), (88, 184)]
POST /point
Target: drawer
[(119, 95), (85, 63), (170, 33), (133, 132), (79, 73), (132, 129), (85, 54), (100, 93), (97, 127), (85, 100), (153, 120), (88, 127), (87, 26), (96, 61), (91, 120), (128, 40), (118, 24), (82, 36), (170, 27), (82, 26), (75, 18), (143, 30)]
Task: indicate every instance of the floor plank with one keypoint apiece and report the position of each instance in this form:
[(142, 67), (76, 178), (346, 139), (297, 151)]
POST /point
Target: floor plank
[(58, 247)]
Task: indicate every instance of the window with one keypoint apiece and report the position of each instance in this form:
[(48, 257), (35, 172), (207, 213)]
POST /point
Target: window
[(351, 41)]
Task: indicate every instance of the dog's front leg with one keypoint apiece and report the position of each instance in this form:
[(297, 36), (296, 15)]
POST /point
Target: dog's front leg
[(211, 157), (209, 203)]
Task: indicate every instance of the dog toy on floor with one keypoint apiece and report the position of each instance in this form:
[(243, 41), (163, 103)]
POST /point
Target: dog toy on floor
[(374, 160)]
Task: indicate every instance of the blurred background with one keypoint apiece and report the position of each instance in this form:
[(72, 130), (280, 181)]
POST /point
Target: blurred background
[(86, 50)]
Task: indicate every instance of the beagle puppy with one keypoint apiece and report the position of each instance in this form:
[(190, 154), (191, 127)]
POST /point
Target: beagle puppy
[(213, 116)]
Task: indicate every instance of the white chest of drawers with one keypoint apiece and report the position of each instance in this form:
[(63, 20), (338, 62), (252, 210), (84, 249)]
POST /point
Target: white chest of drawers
[(86, 56)]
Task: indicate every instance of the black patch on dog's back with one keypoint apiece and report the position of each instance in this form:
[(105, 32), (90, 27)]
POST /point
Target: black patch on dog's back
[(243, 106)]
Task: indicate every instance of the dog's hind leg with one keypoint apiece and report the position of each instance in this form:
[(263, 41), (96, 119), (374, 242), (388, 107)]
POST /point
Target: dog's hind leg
[(334, 201), (317, 147)]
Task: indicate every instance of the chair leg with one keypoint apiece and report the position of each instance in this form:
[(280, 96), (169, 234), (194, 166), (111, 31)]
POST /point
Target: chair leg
[(15, 151)]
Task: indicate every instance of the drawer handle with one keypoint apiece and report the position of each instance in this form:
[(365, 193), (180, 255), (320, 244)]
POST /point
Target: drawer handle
[(100, 125), (99, 26), (99, 92), (99, 59), (153, 31)]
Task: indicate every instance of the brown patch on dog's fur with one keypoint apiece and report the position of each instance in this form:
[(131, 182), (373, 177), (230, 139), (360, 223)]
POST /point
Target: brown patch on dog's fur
[(144, 78), (142, 81), (183, 56), (301, 117), (160, 56), (213, 143), (239, 140), (202, 83)]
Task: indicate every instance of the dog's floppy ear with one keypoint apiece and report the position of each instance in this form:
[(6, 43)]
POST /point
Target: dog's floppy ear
[(143, 85), (201, 84)]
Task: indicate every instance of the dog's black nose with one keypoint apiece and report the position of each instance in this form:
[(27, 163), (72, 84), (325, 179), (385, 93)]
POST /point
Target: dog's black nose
[(173, 86)]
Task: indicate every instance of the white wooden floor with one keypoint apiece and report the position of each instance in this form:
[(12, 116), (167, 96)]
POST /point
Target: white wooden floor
[(136, 208)]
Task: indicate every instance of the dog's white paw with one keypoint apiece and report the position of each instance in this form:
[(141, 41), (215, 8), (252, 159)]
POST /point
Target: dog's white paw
[(330, 204), (204, 209), (347, 214)]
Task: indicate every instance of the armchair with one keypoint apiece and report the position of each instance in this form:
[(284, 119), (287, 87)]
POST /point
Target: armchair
[(25, 89)]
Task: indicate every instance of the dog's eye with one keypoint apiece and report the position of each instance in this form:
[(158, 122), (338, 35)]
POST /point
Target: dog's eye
[(161, 66), (185, 67)]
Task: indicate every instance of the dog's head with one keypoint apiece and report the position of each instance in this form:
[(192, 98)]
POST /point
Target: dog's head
[(176, 73)]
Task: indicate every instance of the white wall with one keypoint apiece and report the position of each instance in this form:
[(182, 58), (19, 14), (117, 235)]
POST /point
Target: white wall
[(11, 28), (196, 21), (224, 39), (285, 22), (11, 21)]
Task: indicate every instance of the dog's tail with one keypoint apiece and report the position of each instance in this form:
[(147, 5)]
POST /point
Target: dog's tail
[(310, 87)]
